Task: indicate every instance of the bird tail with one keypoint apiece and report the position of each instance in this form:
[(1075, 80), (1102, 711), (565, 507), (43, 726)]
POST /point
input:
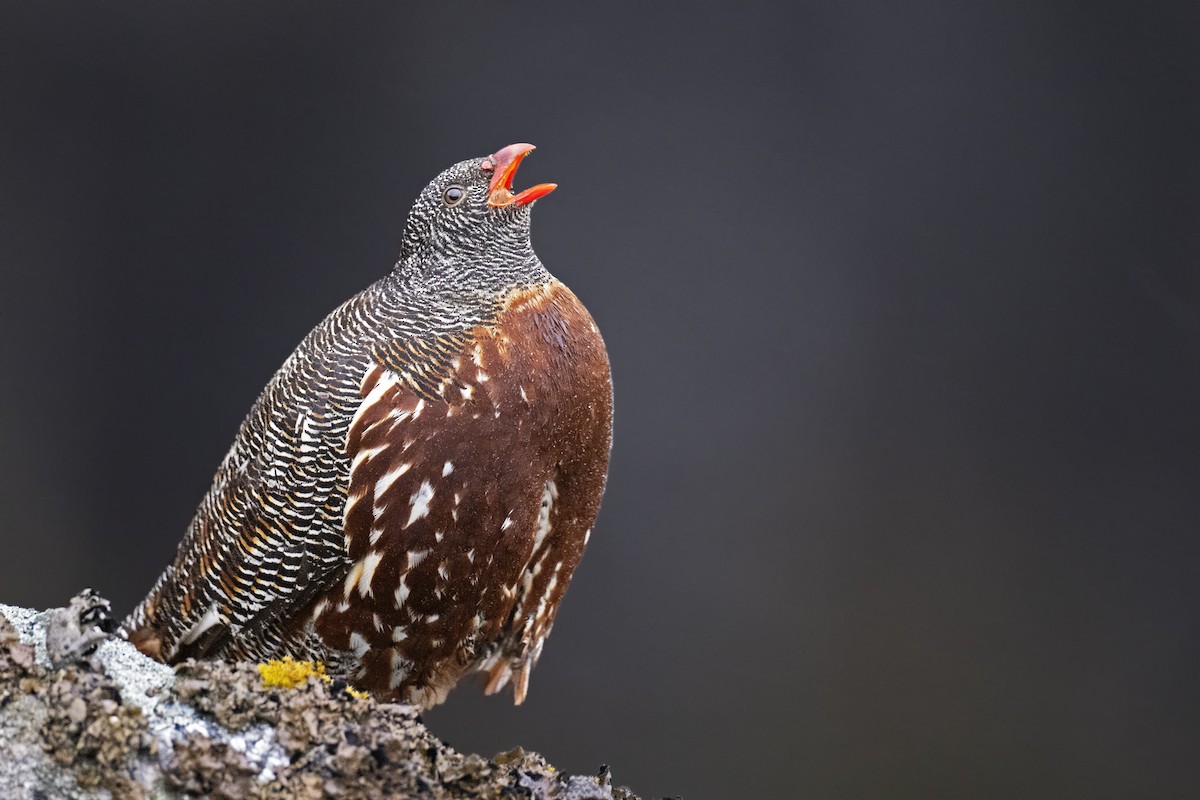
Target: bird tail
[(501, 670), (140, 627)]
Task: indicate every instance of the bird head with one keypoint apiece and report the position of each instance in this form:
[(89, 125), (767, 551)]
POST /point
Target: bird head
[(468, 227)]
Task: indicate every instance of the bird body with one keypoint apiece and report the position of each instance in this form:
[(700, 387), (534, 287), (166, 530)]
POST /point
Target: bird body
[(410, 494)]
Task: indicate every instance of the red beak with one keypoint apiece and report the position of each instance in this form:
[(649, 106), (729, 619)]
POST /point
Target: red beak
[(504, 163)]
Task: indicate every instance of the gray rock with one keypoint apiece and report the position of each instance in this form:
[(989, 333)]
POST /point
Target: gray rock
[(85, 716)]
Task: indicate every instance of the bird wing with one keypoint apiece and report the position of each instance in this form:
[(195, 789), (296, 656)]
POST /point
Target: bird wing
[(268, 538)]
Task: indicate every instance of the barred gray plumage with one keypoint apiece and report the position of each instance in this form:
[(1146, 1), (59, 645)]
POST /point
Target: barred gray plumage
[(409, 495)]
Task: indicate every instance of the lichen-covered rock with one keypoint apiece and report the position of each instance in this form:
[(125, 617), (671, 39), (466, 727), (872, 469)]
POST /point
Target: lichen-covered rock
[(87, 716), (90, 732)]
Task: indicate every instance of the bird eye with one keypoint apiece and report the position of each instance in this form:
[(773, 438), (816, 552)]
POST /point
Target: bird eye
[(454, 195)]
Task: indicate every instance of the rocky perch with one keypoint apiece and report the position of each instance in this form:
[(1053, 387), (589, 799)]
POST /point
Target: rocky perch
[(85, 715)]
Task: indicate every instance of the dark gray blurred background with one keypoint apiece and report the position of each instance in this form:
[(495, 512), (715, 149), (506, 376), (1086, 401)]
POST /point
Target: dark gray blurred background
[(903, 310)]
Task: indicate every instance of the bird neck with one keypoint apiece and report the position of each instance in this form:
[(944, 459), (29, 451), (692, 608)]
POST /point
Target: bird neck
[(471, 281), (448, 297)]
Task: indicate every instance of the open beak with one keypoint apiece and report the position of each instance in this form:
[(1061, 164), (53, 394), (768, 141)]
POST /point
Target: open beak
[(503, 166)]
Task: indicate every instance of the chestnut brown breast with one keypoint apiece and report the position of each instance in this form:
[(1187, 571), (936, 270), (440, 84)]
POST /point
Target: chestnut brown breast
[(477, 469)]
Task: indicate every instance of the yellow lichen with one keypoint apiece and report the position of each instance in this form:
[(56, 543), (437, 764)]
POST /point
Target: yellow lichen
[(357, 694), (288, 673)]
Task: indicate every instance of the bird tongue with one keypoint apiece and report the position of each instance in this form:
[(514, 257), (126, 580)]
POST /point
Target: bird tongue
[(504, 163)]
